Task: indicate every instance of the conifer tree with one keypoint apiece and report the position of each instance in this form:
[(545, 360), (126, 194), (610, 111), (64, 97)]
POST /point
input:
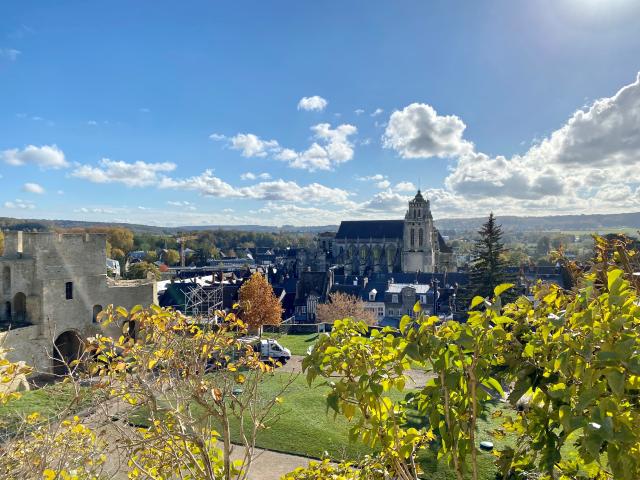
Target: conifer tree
[(488, 268)]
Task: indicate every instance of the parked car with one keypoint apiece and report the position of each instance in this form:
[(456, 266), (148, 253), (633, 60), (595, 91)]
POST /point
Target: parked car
[(268, 348)]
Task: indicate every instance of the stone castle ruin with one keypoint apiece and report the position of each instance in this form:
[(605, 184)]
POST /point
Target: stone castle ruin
[(52, 288)]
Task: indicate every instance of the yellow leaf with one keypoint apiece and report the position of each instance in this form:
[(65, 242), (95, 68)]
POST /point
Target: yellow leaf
[(48, 474)]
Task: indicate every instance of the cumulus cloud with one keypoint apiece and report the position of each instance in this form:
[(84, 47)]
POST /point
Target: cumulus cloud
[(417, 131), (590, 163), (333, 147), (386, 201), (315, 103), (45, 157), (33, 188), (136, 174), (20, 204), (375, 178), (255, 176), (251, 145), (405, 187), (376, 112), (383, 184), (208, 184)]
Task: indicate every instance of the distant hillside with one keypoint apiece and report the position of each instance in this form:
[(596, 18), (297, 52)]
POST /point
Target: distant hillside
[(46, 225), (593, 222)]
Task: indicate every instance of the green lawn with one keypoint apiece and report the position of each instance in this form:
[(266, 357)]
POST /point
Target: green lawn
[(49, 401), (297, 343), (305, 428)]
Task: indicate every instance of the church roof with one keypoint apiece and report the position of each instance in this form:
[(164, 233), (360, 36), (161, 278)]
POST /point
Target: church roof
[(365, 229), (444, 248)]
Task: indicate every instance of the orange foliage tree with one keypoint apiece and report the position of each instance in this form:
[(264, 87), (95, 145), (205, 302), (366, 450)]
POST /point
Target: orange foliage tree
[(258, 304)]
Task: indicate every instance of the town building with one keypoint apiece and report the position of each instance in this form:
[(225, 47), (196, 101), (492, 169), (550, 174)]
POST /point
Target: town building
[(386, 246), (52, 288)]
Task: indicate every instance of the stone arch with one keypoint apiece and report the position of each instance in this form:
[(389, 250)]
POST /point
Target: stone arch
[(7, 311), (6, 279), (95, 312), (67, 348), (19, 312)]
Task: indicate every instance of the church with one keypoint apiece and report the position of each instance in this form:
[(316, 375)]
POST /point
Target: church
[(387, 246)]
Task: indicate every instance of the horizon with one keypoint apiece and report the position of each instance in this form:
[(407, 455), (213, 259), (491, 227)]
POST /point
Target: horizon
[(311, 226), (244, 114)]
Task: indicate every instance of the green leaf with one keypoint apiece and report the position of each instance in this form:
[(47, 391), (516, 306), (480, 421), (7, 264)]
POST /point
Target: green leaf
[(616, 382), (404, 321), (500, 289), (494, 384), (477, 300)]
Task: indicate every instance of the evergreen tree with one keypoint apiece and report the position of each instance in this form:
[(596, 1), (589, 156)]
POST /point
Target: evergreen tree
[(488, 267)]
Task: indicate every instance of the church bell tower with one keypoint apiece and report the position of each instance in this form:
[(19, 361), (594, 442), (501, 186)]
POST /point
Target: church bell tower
[(418, 252)]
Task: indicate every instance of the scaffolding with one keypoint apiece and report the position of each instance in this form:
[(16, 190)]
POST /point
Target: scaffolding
[(203, 301)]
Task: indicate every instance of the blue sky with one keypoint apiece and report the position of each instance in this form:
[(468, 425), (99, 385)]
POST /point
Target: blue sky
[(295, 112)]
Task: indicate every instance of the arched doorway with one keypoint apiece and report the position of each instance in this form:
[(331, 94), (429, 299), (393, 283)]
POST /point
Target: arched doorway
[(19, 308), (7, 311), (67, 348), (96, 311), (6, 280)]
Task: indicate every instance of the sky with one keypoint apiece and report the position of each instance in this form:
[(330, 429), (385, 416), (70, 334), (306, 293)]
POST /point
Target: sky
[(308, 113)]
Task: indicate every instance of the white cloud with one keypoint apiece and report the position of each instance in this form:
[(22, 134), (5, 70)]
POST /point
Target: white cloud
[(386, 201), (100, 210), (405, 187), (383, 184), (358, 111), (46, 157), (375, 178), (182, 204), (10, 53), (255, 176), (33, 188), (251, 145), (591, 163), (20, 204), (315, 103), (93, 123), (208, 184), (137, 174), (217, 137), (376, 112), (417, 131), (332, 148)]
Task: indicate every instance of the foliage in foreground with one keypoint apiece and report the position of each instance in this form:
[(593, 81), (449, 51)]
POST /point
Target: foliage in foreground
[(573, 358)]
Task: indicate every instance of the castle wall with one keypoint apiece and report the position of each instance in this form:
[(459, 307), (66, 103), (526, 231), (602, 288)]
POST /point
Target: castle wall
[(41, 266)]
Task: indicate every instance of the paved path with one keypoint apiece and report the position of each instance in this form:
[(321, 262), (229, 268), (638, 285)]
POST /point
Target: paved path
[(266, 464)]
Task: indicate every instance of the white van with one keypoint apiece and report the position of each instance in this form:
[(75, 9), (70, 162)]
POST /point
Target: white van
[(268, 348)]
